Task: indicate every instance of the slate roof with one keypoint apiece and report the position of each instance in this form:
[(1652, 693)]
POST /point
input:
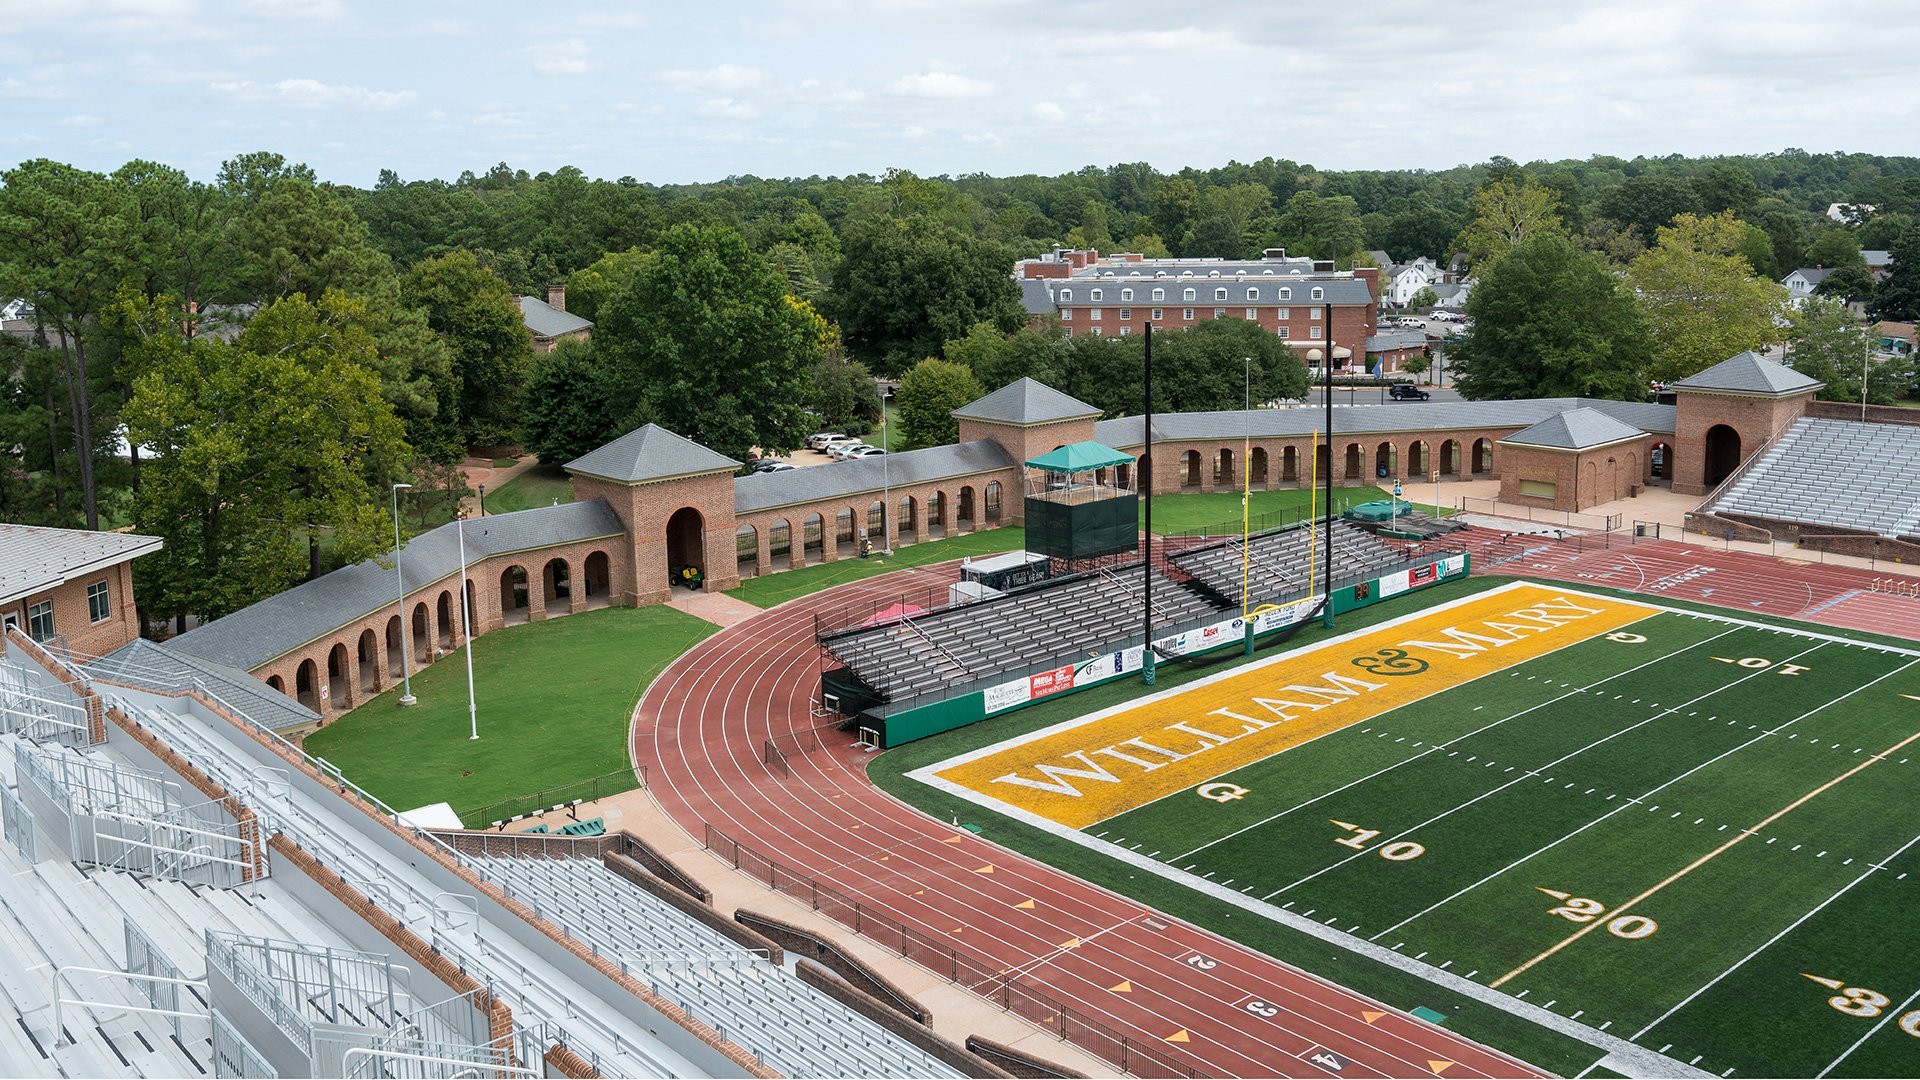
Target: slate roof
[(1035, 297), (1811, 274), (1575, 429), (764, 491), (650, 453), (548, 321), (1024, 401), (1389, 340), (1749, 373), (153, 666), (1199, 269), (1876, 258), (279, 624), (1399, 416), (34, 558)]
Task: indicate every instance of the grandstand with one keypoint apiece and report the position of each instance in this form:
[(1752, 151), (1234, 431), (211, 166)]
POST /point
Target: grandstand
[(1281, 565), (147, 930), (1840, 474)]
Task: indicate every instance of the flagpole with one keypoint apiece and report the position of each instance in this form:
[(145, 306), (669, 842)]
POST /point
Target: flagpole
[(466, 623)]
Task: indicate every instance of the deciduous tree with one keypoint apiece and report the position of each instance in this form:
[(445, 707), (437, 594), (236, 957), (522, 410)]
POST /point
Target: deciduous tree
[(1550, 320), (926, 397), (1702, 298), (1507, 213)]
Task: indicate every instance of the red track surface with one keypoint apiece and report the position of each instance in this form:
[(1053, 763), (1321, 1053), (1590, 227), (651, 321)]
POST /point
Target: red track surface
[(700, 728)]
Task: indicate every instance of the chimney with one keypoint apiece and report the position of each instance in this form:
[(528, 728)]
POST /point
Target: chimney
[(557, 297)]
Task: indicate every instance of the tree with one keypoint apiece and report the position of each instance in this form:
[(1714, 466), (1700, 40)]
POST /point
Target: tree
[(1835, 248), (1206, 367), (240, 492), (997, 359), (1881, 230), (1506, 214), (1418, 363), (1425, 298), (1847, 283), (1326, 228), (569, 407), (1702, 299), (1550, 320), (290, 234), (1898, 297), (705, 341), (589, 286), (477, 316), (1725, 187), (844, 393), (904, 288), (1828, 343), (926, 397), (1646, 204)]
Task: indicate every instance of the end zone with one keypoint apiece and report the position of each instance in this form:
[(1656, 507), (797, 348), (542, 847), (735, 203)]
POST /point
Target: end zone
[(1090, 768)]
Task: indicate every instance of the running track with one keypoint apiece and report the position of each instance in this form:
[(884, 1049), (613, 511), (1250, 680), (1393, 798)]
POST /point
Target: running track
[(699, 731), (700, 727)]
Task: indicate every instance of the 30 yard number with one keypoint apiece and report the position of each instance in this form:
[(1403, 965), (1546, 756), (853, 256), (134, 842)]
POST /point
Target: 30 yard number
[(1864, 1003)]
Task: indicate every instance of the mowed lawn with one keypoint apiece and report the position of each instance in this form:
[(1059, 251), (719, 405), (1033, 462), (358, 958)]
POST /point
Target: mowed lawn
[(779, 587), (555, 698), (1218, 512), (541, 485)]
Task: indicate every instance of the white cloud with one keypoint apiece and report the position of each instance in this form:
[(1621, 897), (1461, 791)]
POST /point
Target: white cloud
[(15, 88), (727, 109), (314, 94), (1050, 112), (725, 78), (940, 84), (78, 120), (568, 57)]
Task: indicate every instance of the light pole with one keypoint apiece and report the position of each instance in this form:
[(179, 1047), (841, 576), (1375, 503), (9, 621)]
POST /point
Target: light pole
[(466, 622), (406, 649), (886, 488)]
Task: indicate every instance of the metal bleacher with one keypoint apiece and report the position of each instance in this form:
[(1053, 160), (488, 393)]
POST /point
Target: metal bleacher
[(1080, 617), (1282, 564), (1839, 473), (783, 1021)]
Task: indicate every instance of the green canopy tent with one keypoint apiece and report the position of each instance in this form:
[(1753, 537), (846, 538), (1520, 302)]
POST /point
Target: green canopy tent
[(1080, 457), (1072, 512)]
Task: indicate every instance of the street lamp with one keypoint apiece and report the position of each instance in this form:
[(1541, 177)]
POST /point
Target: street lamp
[(406, 649)]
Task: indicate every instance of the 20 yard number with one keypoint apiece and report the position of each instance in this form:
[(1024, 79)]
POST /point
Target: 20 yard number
[(1580, 909)]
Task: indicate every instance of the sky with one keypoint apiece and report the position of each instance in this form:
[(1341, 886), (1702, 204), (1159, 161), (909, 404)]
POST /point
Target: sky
[(687, 92)]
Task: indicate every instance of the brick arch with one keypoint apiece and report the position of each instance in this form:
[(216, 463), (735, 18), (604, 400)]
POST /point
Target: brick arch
[(367, 662), (396, 646), (1190, 470), (1450, 458), (423, 635), (1417, 461), (1482, 460), (813, 537), (445, 618), (1258, 469), (596, 578), (746, 542), (906, 519), (306, 684), (967, 510), (339, 678), (780, 544)]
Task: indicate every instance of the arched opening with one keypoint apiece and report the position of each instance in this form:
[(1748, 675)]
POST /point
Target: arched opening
[(813, 539), (845, 541), (907, 524), (993, 503), (277, 683), (877, 524), (306, 684), (1257, 466), (444, 615), (1723, 453), (1223, 475), (1589, 486), (470, 615), (339, 677), (780, 545), (746, 550), (1386, 462), (1322, 461), (1482, 457), (597, 578), (1660, 462), (1290, 464), (422, 633), (936, 515), (396, 649), (1356, 462), (1123, 476), (964, 516), (1190, 473), (556, 585), (367, 653), (1450, 458), (1417, 466), (513, 596), (686, 532)]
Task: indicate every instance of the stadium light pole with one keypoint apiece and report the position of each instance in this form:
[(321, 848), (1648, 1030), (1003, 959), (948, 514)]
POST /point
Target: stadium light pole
[(1326, 609), (466, 622), (1246, 496), (1147, 677), (406, 649)]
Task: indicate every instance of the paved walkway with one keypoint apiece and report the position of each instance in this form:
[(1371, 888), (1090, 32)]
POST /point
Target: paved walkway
[(716, 607), (477, 471)]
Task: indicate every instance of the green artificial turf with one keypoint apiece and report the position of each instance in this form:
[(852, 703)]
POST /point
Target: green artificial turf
[(777, 588), (554, 702)]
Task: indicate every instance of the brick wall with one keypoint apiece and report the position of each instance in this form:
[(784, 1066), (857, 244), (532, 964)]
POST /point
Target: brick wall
[(1756, 419), (565, 1062), (96, 708), (72, 618), (1018, 1062), (1412, 456), (1876, 414), (1581, 478), (914, 523), (662, 867)]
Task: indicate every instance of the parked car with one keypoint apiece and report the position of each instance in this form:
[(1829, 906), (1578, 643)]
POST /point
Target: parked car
[(846, 450), (865, 452), (1407, 392), (819, 439), (768, 465), (839, 444)]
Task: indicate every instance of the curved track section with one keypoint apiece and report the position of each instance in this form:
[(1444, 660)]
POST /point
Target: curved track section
[(700, 729)]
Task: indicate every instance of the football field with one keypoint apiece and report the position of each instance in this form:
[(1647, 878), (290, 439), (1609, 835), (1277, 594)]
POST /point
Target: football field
[(1693, 832)]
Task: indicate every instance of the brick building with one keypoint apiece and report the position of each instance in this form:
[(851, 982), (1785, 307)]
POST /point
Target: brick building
[(548, 321), (69, 587), (653, 504)]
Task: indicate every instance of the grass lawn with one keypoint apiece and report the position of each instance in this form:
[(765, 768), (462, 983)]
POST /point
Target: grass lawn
[(538, 486), (555, 698), (771, 589), (1219, 511)]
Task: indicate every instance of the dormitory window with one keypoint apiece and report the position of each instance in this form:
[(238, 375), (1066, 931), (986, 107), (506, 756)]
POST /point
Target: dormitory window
[(1253, 313), (1189, 295), (1315, 335), (1156, 314), (1096, 294), (1066, 314), (98, 607), (1094, 314), (1253, 294), (1159, 294), (1125, 330), (1068, 332), (40, 621), (1126, 313), (1285, 313), (1126, 294), (1219, 313), (1065, 295), (1187, 314), (1220, 294), (1286, 294), (1316, 314), (1285, 333), (1319, 293)]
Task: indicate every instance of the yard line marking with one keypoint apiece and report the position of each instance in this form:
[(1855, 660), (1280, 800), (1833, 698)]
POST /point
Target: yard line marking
[(1441, 746), (1871, 1032), (1650, 792), (1711, 855), (1769, 943), (1404, 833)]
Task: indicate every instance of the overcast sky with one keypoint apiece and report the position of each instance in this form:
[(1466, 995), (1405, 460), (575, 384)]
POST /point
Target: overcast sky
[(675, 92)]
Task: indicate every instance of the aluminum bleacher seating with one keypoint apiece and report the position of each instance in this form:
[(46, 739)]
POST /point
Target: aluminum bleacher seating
[(786, 1023), (1282, 564), (1839, 473)]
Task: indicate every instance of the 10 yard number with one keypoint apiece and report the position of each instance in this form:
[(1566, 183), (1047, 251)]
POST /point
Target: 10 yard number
[(1398, 851)]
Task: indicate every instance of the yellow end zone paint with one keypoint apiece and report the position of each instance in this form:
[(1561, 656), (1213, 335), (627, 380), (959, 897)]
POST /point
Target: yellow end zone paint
[(1083, 772)]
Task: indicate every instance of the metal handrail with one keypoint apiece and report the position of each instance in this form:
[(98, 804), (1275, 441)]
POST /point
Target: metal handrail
[(60, 975)]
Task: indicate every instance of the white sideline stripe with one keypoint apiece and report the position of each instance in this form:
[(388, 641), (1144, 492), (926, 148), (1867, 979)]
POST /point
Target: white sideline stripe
[(1770, 942), (1456, 739), (1656, 790), (1661, 715)]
